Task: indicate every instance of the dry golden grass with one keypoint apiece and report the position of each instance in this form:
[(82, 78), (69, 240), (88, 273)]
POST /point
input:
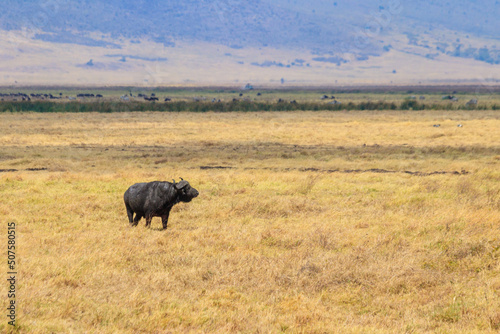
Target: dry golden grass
[(286, 240)]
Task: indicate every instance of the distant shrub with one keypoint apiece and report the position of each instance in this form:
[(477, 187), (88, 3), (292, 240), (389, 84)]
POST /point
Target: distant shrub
[(412, 105)]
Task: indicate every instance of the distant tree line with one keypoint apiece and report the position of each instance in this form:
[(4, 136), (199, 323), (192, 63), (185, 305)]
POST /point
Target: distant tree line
[(244, 106)]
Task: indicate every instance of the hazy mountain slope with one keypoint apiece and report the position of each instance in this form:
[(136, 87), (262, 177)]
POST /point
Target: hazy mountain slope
[(315, 24), (372, 40), (237, 23), (478, 17)]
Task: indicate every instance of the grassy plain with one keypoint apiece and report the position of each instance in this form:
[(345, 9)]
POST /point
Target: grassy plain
[(307, 222)]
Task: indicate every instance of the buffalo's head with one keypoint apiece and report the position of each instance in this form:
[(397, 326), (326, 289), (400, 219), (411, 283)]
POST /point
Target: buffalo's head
[(185, 191)]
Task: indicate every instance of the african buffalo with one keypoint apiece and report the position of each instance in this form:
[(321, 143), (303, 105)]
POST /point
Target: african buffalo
[(156, 199)]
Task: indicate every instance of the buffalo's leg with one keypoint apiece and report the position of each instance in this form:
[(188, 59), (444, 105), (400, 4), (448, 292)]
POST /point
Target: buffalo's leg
[(138, 217), (130, 213), (164, 220), (148, 220)]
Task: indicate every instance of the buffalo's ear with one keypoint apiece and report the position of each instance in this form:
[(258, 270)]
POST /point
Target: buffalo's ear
[(181, 184)]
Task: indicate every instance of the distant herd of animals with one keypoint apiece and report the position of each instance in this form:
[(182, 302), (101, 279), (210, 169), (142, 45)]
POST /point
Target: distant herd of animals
[(14, 97), (41, 96), (50, 96)]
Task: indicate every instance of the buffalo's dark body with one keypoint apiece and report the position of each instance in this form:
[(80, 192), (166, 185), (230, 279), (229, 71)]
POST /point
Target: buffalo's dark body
[(156, 199)]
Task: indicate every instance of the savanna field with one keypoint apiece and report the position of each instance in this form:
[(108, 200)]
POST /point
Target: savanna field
[(307, 222)]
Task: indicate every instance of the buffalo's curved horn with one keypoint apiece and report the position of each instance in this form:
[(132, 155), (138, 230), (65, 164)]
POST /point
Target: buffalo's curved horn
[(181, 179), (173, 181)]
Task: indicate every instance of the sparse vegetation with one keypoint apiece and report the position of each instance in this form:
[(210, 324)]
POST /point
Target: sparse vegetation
[(228, 100), (307, 222), (231, 106)]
